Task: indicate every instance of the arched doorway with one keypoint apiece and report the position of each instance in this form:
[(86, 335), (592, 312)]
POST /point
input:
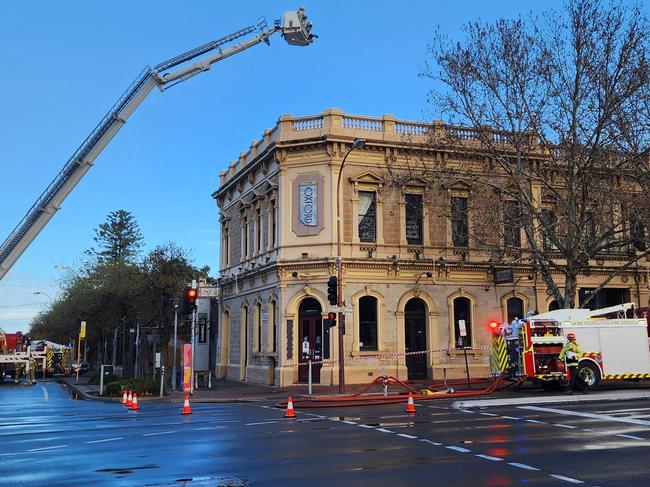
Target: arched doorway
[(415, 338), (310, 327)]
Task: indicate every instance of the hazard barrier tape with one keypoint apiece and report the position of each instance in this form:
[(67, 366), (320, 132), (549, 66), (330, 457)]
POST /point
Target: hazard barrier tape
[(626, 376), (379, 356)]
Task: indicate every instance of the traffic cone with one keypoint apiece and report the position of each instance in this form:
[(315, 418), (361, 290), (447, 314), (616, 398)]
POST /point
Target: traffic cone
[(186, 405), (129, 399), (125, 398), (410, 405), (134, 403), (290, 413)]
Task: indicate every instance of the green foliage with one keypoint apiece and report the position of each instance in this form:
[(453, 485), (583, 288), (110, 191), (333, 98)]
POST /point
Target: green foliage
[(119, 238), (143, 387)]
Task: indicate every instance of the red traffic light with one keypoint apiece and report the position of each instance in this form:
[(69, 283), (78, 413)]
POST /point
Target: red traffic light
[(331, 317), (191, 294)]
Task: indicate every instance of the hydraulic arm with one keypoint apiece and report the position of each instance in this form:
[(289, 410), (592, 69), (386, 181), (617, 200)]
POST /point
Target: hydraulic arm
[(294, 28)]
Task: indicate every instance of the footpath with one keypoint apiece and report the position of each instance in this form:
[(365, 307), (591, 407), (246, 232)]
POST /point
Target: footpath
[(226, 391)]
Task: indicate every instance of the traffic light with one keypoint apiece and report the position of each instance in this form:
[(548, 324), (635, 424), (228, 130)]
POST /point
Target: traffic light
[(332, 319), (189, 300), (333, 290)]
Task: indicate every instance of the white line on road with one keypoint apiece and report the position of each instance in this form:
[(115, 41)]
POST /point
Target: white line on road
[(47, 396), (261, 422), (567, 479), (366, 426), (567, 426), (489, 457), (383, 430), (535, 421), (47, 448), (467, 411), (104, 441), (209, 428), (510, 417), (632, 437), (489, 414), (603, 417), (348, 422), (434, 443), (160, 433), (523, 465), (458, 449), (410, 437)]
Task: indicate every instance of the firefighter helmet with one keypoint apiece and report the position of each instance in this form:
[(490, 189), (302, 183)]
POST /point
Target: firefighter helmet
[(571, 336)]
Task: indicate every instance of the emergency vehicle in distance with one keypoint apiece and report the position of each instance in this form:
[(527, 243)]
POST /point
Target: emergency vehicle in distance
[(613, 348), (45, 355)]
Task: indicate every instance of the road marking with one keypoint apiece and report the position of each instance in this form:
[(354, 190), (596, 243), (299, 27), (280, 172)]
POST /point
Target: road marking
[(604, 417), (567, 479), (383, 430), (9, 454), (467, 411), (510, 417), (489, 457), (209, 428), (103, 441), (523, 465), (47, 448), (632, 437), (47, 396), (366, 426), (347, 422), (261, 422), (535, 421), (567, 426), (489, 414), (410, 437), (458, 449), (434, 443), (160, 433)]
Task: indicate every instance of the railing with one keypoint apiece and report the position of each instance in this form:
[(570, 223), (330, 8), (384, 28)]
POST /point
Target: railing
[(358, 123), (314, 123), (410, 128)]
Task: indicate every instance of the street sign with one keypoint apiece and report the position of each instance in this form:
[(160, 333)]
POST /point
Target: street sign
[(502, 276), (342, 309), (157, 360), (208, 292)]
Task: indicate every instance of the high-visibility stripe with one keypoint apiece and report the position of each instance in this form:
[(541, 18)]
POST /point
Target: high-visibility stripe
[(625, 376)]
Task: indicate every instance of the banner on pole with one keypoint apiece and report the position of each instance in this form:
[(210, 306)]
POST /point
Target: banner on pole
[(82, 331)]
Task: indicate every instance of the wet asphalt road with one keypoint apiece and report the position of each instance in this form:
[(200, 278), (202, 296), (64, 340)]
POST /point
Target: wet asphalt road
[(47, 438)]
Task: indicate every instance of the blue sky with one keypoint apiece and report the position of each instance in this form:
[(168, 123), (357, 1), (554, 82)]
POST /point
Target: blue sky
[(65, 63)]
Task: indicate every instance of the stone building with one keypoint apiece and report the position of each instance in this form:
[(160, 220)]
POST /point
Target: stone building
[(412, 286)]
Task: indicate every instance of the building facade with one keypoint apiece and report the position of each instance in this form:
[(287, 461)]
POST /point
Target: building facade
[(411, 282)]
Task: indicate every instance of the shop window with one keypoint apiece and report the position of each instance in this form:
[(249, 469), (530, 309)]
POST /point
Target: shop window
[(368, 323), (462, 315), (459, 226), (367, 216), (414, 219)]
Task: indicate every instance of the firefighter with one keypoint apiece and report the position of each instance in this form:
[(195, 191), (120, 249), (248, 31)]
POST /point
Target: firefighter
[(571, 353)]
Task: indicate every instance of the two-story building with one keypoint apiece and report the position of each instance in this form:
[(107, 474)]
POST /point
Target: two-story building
[(412, 283)]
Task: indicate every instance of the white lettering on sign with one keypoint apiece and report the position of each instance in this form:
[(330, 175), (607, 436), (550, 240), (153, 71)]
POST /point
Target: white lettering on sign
[(461, 328), (308, 214)]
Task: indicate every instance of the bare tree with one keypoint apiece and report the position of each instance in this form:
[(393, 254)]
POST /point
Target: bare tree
[(551, 140)]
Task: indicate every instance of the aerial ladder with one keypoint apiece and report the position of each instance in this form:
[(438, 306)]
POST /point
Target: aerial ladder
[(294, 28)]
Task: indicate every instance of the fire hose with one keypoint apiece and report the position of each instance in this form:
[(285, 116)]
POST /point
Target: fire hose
[(384, 381)]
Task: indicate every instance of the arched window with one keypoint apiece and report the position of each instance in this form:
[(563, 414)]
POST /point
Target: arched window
[(258, 327), (368, 323), (463, 316), (515, 309), (553, 305), (273, 328)]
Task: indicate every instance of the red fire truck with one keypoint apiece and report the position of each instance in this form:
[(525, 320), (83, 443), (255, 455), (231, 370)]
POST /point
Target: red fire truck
[(614, 348)]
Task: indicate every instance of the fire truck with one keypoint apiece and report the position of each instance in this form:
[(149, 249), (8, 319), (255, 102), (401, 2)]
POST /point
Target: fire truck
[(48, 357), (614, 346)]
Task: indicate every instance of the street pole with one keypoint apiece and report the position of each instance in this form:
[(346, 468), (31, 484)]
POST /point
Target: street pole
[(136, 372), (175, 336), (341, 316)]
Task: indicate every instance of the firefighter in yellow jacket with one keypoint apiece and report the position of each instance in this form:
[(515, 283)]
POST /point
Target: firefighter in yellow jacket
[(571, 353)]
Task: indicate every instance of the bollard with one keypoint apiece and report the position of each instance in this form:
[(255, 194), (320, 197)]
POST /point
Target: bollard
[(101, 380), (162, 379)]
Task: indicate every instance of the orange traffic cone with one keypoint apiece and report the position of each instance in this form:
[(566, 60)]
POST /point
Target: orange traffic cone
[(186, 405), (134, 403), (125, 398), (290, 413), (129, 399), (410, 405)]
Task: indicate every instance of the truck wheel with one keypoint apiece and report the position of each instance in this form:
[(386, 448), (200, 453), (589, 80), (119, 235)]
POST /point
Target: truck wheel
[(589, 374)]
